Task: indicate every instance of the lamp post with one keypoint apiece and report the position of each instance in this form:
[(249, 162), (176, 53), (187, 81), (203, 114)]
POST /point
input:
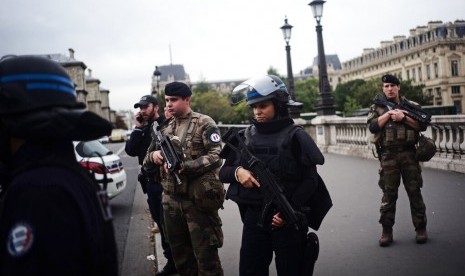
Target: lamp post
[(325, 102), (157, 75), (287, 29)]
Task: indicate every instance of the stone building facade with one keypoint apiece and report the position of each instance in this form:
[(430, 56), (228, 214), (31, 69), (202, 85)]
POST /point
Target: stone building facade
[(333, 68), (87, 87), (432, 55)]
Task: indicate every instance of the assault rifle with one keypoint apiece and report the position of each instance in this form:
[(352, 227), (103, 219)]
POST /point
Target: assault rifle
[(169, 153), (413, 112), (270, 188)]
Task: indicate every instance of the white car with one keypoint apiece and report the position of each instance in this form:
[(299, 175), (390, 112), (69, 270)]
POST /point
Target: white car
[(92, 154), (104, 140)]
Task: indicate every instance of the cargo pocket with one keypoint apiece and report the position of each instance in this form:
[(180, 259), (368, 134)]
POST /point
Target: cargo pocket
[(208, 193), (217, 238)]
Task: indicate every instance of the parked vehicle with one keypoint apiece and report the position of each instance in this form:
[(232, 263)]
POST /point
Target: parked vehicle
[(98, 159), (117, 135), (104, 140)]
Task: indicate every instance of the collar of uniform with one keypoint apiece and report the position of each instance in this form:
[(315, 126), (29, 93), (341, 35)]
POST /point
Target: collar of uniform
[(272, 126)]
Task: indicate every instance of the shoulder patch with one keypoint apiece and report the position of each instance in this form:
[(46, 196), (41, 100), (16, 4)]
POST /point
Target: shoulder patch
[(20, 239), (213, 135)]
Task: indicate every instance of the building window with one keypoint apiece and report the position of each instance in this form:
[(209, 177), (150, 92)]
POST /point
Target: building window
[(454, 67), (428, 72), (455, 89), (408, 74), (413, 75), (430, 92), (436, 70), (452, 47), (458, 106), (420, 77), (438, 92)]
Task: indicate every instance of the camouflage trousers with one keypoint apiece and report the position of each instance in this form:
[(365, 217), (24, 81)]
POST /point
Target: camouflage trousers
[(194, 236), (394, 166)]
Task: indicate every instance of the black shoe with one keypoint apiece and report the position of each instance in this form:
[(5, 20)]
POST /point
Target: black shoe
[(169, 269)]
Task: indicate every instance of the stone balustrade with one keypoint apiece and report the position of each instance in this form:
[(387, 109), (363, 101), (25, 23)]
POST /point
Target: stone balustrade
[(350, 136)]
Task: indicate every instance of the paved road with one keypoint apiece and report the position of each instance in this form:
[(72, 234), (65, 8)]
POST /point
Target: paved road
[(132, 222), (349, 235)]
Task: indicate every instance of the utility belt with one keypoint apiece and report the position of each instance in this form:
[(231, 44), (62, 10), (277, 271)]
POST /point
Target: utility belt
[(177, 197), (145, 179), (392, 149)]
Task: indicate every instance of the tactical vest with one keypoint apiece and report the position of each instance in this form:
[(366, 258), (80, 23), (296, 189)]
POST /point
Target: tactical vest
[(396, 134), (187, 150), (275, 149)]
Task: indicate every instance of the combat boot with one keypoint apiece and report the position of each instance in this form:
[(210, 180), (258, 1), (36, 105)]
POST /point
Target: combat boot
[(386, 237), (421, 236)]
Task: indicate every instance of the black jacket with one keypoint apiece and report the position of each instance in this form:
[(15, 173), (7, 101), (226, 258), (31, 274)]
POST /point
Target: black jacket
[(140, 139), (52, 223)]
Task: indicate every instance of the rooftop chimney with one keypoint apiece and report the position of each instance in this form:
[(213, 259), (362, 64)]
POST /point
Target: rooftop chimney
[(71, 53)]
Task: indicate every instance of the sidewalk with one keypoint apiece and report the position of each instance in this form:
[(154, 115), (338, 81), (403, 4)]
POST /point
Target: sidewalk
[(138, 244)]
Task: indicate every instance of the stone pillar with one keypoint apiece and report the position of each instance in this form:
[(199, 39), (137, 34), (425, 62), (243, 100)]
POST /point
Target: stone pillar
[(325, 131)]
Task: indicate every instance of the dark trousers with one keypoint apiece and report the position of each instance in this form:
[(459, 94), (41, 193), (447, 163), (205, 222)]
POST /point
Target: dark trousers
[(154, 191), (258, 245)]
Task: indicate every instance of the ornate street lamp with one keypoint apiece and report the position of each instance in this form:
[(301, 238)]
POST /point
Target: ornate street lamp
[(157, 75), (287, 29), (325, 102), (294, 109)]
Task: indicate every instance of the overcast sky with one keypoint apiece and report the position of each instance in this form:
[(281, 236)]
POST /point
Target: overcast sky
[(122, 41)]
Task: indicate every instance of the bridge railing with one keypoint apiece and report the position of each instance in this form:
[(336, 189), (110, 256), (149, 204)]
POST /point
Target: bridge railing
[(350, 136)]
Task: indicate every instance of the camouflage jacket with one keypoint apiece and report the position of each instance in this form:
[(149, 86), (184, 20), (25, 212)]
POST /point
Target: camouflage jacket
[(197, 140)]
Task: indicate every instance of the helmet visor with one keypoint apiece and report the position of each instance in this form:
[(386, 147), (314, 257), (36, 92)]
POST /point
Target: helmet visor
[(239, 93), (255, 88)]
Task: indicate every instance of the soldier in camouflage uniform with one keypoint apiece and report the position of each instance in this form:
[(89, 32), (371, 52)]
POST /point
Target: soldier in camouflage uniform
[(192, 223), (395, 137)]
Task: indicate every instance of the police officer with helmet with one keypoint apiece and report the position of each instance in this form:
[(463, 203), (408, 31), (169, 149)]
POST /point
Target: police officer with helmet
[(292, 157), (54, 217)]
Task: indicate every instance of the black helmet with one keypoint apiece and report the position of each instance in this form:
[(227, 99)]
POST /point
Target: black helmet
[(33, 82), (38, 101)]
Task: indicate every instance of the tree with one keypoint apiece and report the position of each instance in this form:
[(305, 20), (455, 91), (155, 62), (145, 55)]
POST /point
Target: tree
[(345, 90), (215, 105), (415, 93), (274, 71), (306, 92), (358, 94), (351, 105), (201, 87), (365, 93)]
